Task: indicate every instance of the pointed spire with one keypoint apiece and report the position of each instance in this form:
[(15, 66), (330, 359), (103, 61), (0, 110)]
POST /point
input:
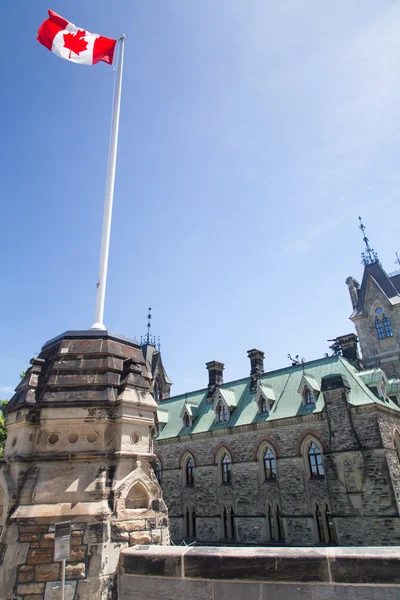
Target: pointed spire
[(369, 256), (149, 338), (148, 326)]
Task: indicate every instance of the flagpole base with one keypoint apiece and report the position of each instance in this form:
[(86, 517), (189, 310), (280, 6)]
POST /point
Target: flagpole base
[(98, 326)]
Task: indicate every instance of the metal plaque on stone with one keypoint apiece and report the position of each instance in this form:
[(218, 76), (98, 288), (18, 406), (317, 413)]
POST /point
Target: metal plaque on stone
[(62, 541)]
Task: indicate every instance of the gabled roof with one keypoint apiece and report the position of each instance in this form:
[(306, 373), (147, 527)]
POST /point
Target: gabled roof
[(389, 286), (162, 415), (229, 397), (267, 391), (190, 409), (289, 403), (309, 381)]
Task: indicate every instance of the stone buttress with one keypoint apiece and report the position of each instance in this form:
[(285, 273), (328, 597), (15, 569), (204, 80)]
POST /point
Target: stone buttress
[(79, 448)]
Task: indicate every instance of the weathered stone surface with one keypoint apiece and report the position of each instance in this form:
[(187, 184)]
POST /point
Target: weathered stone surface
[(366, 569), (261, 591), (29, 537), (47, 540), (226, 563), (48, 572), (33, 528), (39, 556), (147, 588), (75, 570), (155, 560), (78, 553), (26, 573), (30, 588), (354, 592), (142, 538)]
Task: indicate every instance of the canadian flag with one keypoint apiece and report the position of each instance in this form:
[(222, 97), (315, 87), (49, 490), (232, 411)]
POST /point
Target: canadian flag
[(73, 43)]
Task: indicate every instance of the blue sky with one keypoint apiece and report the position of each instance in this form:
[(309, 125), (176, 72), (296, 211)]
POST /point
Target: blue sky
[(252, 136)]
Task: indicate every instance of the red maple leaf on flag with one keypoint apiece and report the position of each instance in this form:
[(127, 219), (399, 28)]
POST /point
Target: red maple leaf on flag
[(74, 42)]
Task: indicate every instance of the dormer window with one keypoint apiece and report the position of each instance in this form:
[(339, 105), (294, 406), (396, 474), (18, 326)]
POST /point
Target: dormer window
[(186, 420), (308, 396), (309, 389), (263, 406), (222, 413)]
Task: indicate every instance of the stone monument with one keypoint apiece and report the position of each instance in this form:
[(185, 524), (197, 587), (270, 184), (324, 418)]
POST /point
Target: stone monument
[(79, 449)]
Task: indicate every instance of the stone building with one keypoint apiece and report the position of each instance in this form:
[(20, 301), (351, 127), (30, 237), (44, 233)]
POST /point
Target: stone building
[(79, 449), (304, 455)]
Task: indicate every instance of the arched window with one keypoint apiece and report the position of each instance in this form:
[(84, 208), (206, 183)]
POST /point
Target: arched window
[(379, 328), (222, 413), (194, 524), (156, 391), (387, 326), (315, 461), (396, 441), (158, 471), (186, 420), (279, 524), (263, 404), (226, 469), (189, 471), (331, 530), (225, 522), (187, 524), (320, 524), (269, 465), (308, 396), (271, 523)]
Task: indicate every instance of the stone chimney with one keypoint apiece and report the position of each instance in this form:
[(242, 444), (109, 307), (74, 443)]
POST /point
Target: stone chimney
[(256, 366), (353, 286), (215, 376), (349, 347)]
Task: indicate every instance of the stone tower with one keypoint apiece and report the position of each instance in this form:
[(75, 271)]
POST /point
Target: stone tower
[(376, 313), (376, 317), (79, 448)]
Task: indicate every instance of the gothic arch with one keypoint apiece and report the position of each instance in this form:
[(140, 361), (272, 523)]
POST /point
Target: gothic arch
[(311, 434), (265, 440), (138, 496), (183, 453), (218, 449), (160, 460)]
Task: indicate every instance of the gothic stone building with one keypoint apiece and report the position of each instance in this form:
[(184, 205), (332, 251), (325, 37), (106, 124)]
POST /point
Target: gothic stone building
[(305, 455)]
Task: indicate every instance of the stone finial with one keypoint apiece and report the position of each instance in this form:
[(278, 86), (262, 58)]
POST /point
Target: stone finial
[(353, 286)]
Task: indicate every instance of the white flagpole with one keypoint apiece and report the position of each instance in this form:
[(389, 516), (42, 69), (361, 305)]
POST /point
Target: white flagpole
[(108, 202)]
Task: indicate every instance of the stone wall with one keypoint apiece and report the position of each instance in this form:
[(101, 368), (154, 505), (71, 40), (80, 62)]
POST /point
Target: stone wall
[(375, 351), (253, 574), (361, 488)]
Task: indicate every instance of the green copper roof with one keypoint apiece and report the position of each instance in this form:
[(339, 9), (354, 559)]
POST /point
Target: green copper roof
[(284, 384)]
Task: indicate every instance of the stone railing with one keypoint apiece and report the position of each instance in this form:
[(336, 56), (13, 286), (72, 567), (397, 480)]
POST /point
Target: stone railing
[(154, 572)]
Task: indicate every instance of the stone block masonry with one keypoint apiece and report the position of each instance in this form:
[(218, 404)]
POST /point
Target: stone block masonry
[(150, 573), (79, 449)]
